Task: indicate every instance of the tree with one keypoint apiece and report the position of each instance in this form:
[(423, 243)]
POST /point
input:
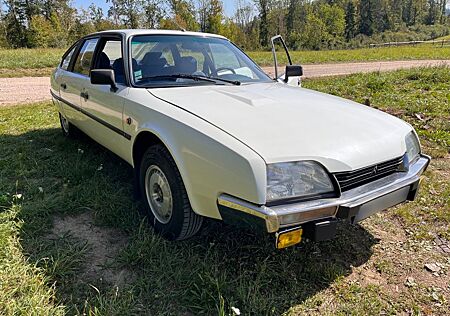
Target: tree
[(366, 21), (315, 32), (126, 12), (183, 15), (350, 20), (215, 16), (263, 22), (333, 18), (15, 21)]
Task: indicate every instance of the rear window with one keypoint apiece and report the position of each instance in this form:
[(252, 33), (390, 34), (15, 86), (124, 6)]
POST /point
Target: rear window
[(67, 57)]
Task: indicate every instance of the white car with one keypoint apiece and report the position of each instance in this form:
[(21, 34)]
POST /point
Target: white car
[(209, 134)]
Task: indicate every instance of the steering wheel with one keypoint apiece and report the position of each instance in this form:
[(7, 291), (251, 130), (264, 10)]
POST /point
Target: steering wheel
[(225, 68)]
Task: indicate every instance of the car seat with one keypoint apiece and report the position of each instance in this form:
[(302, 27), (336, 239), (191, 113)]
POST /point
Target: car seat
[(187, 65), (119, 71), (152, 64)]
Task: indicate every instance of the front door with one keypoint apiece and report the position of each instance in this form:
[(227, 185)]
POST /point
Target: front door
[(102, 104)]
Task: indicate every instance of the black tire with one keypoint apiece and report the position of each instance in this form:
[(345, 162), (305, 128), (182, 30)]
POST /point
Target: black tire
[(183, 222), (67, 128)]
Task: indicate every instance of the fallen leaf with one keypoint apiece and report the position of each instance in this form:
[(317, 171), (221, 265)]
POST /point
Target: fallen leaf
[(432, 267), (419, 117)]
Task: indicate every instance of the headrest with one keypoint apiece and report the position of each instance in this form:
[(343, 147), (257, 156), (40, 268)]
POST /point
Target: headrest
[(103, 61), (152, 58), (188, 64)]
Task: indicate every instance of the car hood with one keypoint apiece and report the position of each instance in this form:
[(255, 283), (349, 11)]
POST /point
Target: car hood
[(283, 123)]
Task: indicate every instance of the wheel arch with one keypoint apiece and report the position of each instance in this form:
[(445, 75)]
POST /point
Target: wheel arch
[(143, 140)]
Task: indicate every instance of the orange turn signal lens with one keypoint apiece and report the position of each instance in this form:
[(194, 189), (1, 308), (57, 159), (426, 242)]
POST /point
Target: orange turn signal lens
[(289, 238)]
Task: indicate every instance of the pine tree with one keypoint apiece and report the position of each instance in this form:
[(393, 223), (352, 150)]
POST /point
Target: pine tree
[(350, 20), (263, 24), (366, 21)]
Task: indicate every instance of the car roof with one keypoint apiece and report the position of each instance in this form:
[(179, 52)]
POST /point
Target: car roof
[(132, 32)]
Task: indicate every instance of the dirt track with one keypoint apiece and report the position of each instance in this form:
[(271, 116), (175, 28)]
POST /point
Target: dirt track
[(34, 89)]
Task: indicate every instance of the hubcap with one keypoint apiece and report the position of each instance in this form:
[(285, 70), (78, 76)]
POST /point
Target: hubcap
[(65, 124), (159, 195)]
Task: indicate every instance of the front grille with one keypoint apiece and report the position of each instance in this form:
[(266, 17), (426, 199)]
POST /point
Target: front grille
[(351, 179)]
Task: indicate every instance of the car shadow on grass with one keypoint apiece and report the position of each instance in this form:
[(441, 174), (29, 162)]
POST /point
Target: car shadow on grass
[(83, 228)]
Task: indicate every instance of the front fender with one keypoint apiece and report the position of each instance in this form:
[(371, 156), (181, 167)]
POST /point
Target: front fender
[(210, 161)]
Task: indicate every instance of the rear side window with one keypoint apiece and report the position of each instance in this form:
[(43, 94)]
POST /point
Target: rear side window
[(84, 58), (67, 57)]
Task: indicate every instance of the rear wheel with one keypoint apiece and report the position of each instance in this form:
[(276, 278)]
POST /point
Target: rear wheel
[(166, 201), (67, 128)]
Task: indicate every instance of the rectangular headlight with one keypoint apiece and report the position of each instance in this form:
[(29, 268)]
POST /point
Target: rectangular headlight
[(412, 147), (296, 179)]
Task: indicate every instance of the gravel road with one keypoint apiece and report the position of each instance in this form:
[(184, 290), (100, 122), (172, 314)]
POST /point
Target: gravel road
[(34, 89)]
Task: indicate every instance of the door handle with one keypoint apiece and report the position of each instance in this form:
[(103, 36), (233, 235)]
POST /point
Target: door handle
[(84, 95), (64, 86)]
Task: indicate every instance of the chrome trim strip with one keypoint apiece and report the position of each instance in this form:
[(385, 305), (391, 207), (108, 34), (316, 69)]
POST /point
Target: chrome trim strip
[(95, 118), (259, 211), (352, 198)]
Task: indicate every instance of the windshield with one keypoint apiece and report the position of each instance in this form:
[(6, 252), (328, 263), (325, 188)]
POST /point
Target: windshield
[(180, 60)]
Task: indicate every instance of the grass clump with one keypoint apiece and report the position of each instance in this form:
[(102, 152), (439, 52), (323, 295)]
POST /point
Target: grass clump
[(24, 288)]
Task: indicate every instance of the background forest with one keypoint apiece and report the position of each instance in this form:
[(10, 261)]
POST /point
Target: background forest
[(305, 24)]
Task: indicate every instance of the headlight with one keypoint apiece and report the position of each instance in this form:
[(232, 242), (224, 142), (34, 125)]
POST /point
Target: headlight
[(296, 179), (412, 147)]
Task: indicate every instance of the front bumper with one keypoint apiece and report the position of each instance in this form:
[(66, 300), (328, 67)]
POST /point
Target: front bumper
[(354, 205)]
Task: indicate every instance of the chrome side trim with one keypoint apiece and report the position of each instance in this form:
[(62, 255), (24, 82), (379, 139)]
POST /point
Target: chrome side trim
[(95, 118), (280, 216)]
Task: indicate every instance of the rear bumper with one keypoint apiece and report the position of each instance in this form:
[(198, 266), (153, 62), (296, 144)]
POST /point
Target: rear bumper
[(354, 205)]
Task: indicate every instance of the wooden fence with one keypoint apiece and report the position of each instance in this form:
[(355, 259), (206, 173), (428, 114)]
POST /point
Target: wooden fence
[(438, 43)]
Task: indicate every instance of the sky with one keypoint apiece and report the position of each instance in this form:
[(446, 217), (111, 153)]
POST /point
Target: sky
[(229, 5)]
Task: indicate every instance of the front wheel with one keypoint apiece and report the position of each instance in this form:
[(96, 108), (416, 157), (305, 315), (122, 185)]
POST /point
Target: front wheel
[(166, 201)]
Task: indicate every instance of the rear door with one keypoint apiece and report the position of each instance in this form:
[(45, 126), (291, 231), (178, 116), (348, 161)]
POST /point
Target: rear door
[(65, 92), (75, 78)]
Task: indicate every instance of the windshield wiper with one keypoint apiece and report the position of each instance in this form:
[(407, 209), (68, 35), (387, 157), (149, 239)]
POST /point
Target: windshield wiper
[(183, 76), (235, 82), (193, 77)]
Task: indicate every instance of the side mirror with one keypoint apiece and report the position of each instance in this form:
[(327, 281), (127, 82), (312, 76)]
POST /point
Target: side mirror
[(293, 71), (104, 76)]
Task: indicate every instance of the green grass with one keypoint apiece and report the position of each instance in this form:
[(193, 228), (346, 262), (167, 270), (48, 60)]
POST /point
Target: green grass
[(355, 55), (47, 181), (40, 62), (447, 37), (30, 58)]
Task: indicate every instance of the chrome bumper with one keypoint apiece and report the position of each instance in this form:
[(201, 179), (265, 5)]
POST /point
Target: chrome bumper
[(355, 204)]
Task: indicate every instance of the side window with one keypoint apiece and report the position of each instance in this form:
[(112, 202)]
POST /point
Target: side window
[(110, 57), (67, 57), (84, 58)]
